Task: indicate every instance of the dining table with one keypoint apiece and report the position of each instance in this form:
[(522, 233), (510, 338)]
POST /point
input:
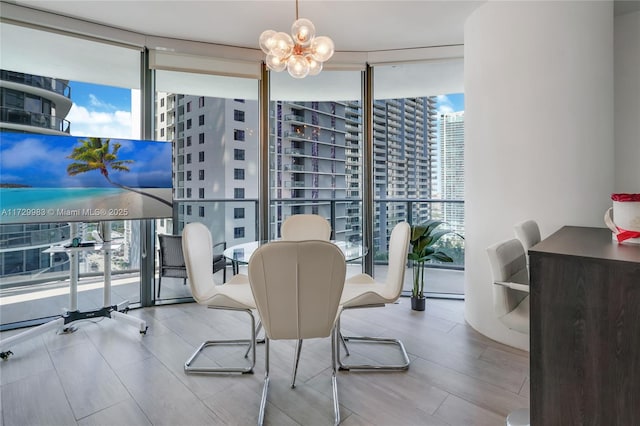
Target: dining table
[(240, 254)]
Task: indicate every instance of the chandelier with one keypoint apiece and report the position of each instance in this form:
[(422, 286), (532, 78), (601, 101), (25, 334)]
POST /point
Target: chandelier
[(301, 53)]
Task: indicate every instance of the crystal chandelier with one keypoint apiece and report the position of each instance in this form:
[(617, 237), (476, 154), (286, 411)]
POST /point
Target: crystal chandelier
[(302, 53)]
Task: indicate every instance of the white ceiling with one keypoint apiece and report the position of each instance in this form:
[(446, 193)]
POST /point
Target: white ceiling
[(361, 25), (389, 29)]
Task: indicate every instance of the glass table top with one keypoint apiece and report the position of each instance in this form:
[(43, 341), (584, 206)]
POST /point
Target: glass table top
[(241, 253)]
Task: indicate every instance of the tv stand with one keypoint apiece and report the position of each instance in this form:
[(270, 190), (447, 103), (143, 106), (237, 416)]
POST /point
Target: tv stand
[(116, 312)]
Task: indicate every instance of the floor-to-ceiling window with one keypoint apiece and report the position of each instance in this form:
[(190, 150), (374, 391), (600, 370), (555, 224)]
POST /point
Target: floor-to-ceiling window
[(210, 115), (212, 122), (59, 85), (315, 150), (418, 163)]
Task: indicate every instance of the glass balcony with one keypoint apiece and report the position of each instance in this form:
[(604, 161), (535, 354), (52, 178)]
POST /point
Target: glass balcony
[(34, 119), (51, 84)]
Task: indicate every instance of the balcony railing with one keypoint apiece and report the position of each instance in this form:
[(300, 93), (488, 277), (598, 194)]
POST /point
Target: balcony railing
[(51, 84), (345, 216), (34, 119)]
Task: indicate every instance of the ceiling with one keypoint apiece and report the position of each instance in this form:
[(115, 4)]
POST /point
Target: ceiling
[(361, 25), (386, 28)]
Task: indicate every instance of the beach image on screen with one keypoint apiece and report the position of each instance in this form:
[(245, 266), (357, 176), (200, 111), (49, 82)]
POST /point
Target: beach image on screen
[(45, 178)]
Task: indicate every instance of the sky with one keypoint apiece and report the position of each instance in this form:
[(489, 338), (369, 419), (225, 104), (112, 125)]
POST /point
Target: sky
[(100, 111), (450, 103)]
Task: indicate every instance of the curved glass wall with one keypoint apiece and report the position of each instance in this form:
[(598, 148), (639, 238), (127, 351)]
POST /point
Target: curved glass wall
[(315, 147)]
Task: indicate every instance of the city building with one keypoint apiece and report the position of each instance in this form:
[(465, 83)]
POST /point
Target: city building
[(215, 144), (315, 161), (452, 168), (404, 156)]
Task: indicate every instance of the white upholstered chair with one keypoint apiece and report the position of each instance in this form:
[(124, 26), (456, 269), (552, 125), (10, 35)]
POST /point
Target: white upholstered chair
[(300, 227), (362, 291), (511, 297), (510, 284), (235, 295), (303, 227), (528, 233), (297, 287)]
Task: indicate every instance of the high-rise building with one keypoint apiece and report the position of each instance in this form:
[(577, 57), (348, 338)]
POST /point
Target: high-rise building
[(32, 104), (404, 148), (452, 167), (315, 161), (215, 159), (309, 161)]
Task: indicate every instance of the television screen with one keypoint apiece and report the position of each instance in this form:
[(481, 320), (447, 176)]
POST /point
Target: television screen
[(46, 178)]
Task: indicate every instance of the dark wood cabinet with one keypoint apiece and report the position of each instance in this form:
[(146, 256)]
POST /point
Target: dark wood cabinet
[(585, 329)]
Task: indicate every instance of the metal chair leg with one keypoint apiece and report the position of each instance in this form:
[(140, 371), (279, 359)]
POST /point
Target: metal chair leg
[(380, 367), (188, 368), (344, 344), (334, 380), (295, 363), (257, 330), (265, 386)]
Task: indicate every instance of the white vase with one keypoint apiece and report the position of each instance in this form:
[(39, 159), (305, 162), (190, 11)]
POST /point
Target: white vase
[(624, 219)]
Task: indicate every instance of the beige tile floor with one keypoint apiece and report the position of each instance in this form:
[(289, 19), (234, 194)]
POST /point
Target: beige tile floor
[(106, 373)]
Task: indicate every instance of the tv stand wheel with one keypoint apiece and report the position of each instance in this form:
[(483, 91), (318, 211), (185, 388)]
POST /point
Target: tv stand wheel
[(69, 329), (5, 355), (145, 330)]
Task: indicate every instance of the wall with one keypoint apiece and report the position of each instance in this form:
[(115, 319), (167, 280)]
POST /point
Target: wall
[(538, 130), (627, 102)]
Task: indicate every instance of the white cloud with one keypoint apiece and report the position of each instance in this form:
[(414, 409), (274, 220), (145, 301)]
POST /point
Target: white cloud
[(85, 122), (98, 104), (444, 104), (15, 157)]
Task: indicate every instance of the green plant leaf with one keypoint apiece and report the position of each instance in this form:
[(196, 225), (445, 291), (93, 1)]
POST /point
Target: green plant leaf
[(442, 257)]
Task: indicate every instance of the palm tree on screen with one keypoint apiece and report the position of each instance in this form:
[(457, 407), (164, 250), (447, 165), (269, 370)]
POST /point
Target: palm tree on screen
[(98, 154)]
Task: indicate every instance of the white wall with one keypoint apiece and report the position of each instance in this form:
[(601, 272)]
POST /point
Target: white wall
[(627, 102), (538, 130)]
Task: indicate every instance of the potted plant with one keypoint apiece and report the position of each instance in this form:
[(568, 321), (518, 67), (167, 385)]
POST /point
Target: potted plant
[(423, 239)]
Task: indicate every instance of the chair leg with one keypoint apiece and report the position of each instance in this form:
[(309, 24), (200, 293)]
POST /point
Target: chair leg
[(519, 417), (265, 386), (295, 363), (188, 368), (380, 367), (258, 328), (344, 344), (334, 381), (159, 283)]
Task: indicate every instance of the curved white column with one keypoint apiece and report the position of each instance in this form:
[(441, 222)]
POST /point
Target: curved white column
[(538, 130)]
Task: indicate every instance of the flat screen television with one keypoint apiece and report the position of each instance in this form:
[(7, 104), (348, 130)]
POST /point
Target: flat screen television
[(45, 178)]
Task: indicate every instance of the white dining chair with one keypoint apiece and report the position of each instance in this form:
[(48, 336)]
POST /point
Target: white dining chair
[(235, 295), (511, 298), (510, 284), (300, 227), (528, 233), (297, 287), (363, 291)]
